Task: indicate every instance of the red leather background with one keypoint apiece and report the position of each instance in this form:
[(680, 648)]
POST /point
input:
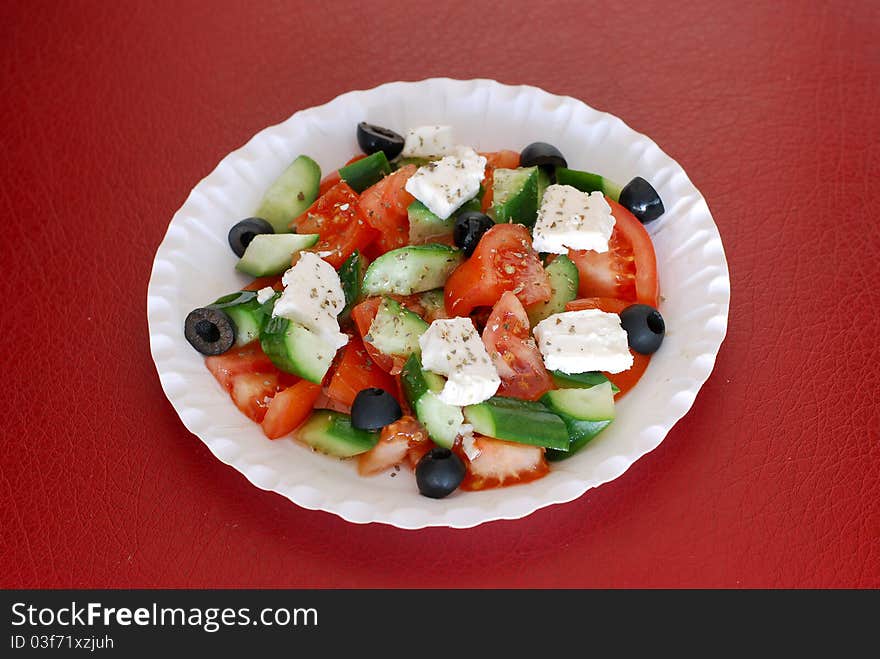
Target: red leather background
[(111, 112)]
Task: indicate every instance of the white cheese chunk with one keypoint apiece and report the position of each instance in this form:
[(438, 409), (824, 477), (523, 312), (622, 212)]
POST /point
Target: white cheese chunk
[(313, 298), (444, 185), (264, 294), (428, 141), (581, 341), (468, 445), (571, 219), (452, 347)]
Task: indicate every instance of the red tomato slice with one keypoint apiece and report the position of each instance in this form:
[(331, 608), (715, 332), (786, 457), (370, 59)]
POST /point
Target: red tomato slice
[(627, 379), (501, 464), (383, 206), (252, 393), (356, 371), (397, 441), (505, 159), (289, 408), (363, 315), (628, 270), (504, 260), (334, 217), (237, 361), (514, 352), (263, 282)]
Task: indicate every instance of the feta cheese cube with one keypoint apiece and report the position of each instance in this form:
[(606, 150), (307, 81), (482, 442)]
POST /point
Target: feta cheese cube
[(428, 141), (313, 298), (581, 341), (444, 185), (264, 294), (452, 347), (571, 219)]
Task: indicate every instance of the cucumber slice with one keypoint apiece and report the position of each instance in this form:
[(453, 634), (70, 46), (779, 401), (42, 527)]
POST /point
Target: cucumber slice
[(351, 276), (291, 194), (363, 173), (517, 420), (564, 281), (586, 404), (580, 434), (412, 269), (395, 329), (580, 380), (400, 162), (425, 227), (515, 195), (246, 314), (587, 182), (296, 349), (442, 421), (585, 412), (270, 253), (332, 433)]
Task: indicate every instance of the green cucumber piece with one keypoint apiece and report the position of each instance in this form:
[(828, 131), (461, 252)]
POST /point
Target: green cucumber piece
[(296, 349), (270, 253), (564, 281), (351, 276), (401, 162), (580, 434), (543, 184), (246, 314), (594, 403), (332, 433), (291, 194), (580, 380), (517, 420), (441, 420), (585, 412), (365, 172), (587, 182), (395, 329), (515, 195), (425, 227), (411, 269)]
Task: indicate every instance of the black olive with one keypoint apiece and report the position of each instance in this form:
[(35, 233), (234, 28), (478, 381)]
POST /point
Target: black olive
[(375, 138), (546, 156), (644, 327), (439, 473), (641, 199), (373, 409), (241, 235), (469, 228), (210, 331)]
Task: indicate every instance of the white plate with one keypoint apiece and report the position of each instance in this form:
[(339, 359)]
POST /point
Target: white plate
[(194, 265)]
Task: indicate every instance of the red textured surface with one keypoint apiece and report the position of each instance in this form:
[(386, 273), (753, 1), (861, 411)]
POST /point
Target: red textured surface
[(111, 112)]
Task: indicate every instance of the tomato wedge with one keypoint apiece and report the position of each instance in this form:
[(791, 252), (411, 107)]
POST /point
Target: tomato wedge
[(504, 260), (363, 315), (250, 378), (627, 379), (383, 206), (504, 159), (500, 464), (356, 371), (514, 352), (628, 270), (405, 439), (263, 282), (289, 408), (334, 217)]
